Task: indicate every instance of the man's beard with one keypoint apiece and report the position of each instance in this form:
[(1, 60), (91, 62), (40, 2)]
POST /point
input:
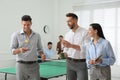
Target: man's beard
[(72, 26)]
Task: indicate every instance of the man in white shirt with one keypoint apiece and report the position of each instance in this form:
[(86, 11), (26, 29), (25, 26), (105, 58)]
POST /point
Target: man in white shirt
[(74, 47)]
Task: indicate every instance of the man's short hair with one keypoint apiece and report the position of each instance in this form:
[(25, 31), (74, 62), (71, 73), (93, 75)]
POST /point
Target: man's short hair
[(26, 18), (72, 15), (49, 43), (60, 36)]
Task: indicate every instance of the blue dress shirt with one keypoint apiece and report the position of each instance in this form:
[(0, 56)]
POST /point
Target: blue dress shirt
[(49, 53), (103, 47)]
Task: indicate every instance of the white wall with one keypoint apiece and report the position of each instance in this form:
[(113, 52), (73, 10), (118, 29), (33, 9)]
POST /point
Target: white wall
[(11, 11)]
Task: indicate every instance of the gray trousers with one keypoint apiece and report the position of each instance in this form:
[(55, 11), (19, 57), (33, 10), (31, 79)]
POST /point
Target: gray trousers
[(27, 71), (100, 73), (76, 70)]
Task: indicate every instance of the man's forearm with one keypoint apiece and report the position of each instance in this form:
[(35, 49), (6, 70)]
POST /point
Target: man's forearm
[(17, 51), (77, 47), (43, 57)]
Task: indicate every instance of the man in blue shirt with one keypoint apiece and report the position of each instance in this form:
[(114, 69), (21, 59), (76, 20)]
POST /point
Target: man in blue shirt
[(49, 52)]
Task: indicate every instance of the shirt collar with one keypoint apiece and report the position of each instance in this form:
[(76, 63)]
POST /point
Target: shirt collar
[(22, 32), (76, 30), (99, 41)]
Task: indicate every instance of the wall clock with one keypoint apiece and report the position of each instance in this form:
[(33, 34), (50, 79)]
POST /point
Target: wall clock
[(46, 29)]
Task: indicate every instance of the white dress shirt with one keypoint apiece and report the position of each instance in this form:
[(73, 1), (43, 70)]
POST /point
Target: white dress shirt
[(79, 37)]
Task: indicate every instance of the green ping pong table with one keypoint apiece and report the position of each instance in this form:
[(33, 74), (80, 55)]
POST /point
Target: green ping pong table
[(47, 70)]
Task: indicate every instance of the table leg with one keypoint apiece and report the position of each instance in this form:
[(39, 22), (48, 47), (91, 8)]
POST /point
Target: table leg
[(66, 77), (43, 78), (5, 76)]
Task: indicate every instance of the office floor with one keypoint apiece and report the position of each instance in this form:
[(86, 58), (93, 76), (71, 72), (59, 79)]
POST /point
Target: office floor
[(115, 75)]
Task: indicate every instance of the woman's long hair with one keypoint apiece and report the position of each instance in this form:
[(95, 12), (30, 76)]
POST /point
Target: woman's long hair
[(98, 27)]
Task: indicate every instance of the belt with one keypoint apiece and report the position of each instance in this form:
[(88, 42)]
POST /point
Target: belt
[(27, 62), (76, 60), (98, 66)]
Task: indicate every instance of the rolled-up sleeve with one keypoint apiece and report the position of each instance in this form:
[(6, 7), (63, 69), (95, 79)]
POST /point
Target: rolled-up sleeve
[(65, 49), (14, 42), (39, 44)]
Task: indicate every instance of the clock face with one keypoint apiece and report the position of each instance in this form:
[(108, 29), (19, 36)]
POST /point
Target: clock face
[(45, 29)]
